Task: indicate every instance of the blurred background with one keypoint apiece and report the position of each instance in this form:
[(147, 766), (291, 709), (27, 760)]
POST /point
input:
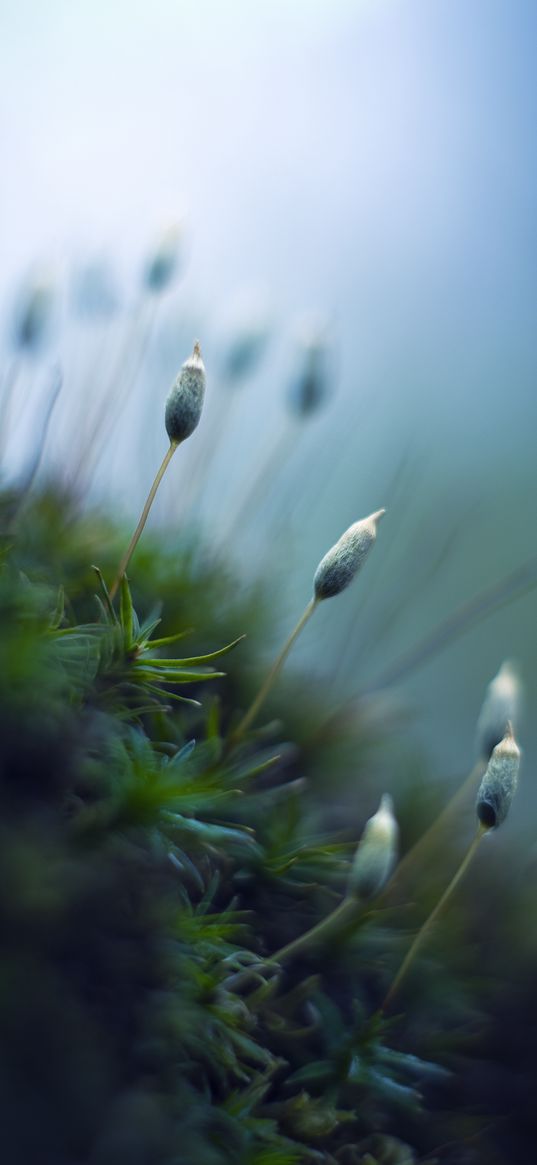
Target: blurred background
[(338, 198)]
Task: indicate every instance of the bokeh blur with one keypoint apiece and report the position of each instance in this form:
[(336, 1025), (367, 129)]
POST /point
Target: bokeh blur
[(366, 169), (337, 198)]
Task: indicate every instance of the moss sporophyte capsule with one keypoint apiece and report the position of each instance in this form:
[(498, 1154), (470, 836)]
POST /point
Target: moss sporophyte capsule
[(376, 854), (185, 399), (499, 783), (335, 571), (343, 561), (182, 415)]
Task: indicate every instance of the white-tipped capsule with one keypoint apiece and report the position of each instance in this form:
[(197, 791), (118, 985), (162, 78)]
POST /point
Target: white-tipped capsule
[(501, 706), (499, 783), (162, 265), (339, 566), (185, 399), (376, 854)]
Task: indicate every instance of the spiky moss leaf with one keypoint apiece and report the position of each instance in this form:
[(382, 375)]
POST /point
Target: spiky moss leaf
[(113, 658)]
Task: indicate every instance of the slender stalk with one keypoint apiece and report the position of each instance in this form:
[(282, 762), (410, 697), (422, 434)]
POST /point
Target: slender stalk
[(8, 388), (143, 519), (273, 674), (129, 359), (514, 586), (347, 910), (268, 469), (343, 914), (424, 930), (32, 469), (469, 614), (420, 848)]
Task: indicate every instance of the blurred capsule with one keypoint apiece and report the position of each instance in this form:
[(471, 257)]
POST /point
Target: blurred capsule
[(376, 854), (185, 399), (245, 349), (499, 783), (314, 378), (501, 706), (94, 292), (162, 265), (343, 561), (33, 315)]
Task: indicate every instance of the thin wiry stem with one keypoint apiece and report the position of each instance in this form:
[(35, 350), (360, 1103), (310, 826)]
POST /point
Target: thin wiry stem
[(511, 588), (514, 585), (143, 519), (273, 674), (420, 848), (343, 914), (126, 368), (8, 389), (424, 930), (268, 470), (32, 468)]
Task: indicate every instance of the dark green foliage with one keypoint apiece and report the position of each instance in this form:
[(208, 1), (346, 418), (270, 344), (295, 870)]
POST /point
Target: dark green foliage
[(148, 873)]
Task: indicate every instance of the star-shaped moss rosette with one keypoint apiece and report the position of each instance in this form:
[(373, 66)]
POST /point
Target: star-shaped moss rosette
[(116, 658)]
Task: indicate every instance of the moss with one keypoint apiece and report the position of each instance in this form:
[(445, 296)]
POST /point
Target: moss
[(147, 875)]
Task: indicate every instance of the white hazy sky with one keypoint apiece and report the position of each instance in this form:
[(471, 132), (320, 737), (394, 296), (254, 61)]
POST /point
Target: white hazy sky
[(308, 140)]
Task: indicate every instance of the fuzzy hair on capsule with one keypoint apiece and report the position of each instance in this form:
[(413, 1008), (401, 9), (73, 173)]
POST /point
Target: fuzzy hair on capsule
[(185, 399), (376, 855), (499, 783), (343, 561)]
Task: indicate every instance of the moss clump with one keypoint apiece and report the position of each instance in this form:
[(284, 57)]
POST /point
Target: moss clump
[(148, 873)]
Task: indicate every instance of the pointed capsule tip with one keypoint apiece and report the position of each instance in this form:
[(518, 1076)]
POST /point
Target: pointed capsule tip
[(508, 742), (197, 349)]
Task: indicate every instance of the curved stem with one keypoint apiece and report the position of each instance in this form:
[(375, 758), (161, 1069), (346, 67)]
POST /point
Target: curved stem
[(8, 388), (126, 365), (421, 846), (32, 469), (469, 614), (268, 469), (345, 913), (347, 910), (424, 930), (273, 674), (143, 519)]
